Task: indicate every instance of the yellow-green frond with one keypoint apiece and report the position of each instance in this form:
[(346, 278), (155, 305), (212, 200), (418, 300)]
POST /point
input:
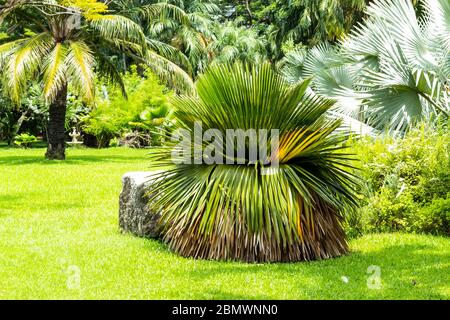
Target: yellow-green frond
[(24, 61), (169, 72), (6, 49), (55, 71), (80, 67), (116, 27), (165, 10)]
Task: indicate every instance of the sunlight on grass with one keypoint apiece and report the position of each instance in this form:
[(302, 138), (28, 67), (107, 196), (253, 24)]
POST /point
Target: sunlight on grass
[(58, 218)]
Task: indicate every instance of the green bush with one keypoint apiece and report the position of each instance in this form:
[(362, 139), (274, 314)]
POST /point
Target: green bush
[(434, 218), (25, 140), (114, 142), (406, 182), (144, 110)]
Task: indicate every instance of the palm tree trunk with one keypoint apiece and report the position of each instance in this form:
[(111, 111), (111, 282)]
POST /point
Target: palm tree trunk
[(56, 126)]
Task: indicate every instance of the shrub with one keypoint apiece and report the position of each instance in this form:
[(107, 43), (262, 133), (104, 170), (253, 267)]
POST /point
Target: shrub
[(25, 140), (406, 181), (145, 110), (114, 142), (31, 115), (433, 218), (234, 211)]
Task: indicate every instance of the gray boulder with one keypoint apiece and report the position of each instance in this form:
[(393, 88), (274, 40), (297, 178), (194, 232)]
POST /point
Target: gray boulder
[(134, 213)]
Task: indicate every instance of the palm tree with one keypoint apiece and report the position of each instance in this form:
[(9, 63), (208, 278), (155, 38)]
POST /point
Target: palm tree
[(67, 42), (300, 21), (251, 210), (192, 34), (237, 43), (162, 23), (393, 69)]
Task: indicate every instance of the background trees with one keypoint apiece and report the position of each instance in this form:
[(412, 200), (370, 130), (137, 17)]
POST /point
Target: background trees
[(386, 71), (305, 22), (133, 121), (391, 71)]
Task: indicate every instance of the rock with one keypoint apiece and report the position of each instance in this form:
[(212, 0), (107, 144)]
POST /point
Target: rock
[(134, 214)]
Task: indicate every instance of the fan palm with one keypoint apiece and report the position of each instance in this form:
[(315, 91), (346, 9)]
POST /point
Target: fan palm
[(68, 41), (250, 209), (392, 69)]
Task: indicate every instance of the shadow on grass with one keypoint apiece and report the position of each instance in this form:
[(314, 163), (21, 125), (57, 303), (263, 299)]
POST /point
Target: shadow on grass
[(54, 206), (9, 197), (408, 271), (70, 160), (14, 204)]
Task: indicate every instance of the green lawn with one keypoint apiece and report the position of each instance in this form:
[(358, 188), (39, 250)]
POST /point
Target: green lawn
[(59, 219)]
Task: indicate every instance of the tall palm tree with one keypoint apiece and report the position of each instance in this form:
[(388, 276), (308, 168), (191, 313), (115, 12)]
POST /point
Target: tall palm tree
[(248, 209), (67, 43)]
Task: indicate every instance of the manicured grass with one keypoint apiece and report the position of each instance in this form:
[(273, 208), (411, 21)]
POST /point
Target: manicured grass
[(60, 218)]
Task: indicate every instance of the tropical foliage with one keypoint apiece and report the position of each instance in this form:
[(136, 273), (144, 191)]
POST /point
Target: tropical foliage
[(191, 33), (236, 43), (162, 23), (392, 70), (69, 49), (235, 211), (25, 140), (406, 182), (144, 111), (304, 22)]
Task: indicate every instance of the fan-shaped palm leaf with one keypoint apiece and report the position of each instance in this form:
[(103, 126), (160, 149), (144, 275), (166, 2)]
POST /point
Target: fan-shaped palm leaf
[(391, 70), (232, 211)]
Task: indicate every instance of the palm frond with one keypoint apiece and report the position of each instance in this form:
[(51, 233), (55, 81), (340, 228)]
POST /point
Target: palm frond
[(23, 62), (170, 53), (390, 71), (55, 71), (108, 70), (231, 211), (164, 10), (169, 72), (80, 66), (119, 28)]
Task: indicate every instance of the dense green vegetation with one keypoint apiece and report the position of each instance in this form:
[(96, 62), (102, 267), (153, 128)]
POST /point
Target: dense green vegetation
[(297, 23), (358, 89), (128, 121), (390, 72), (406, 182), (51, 228)]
